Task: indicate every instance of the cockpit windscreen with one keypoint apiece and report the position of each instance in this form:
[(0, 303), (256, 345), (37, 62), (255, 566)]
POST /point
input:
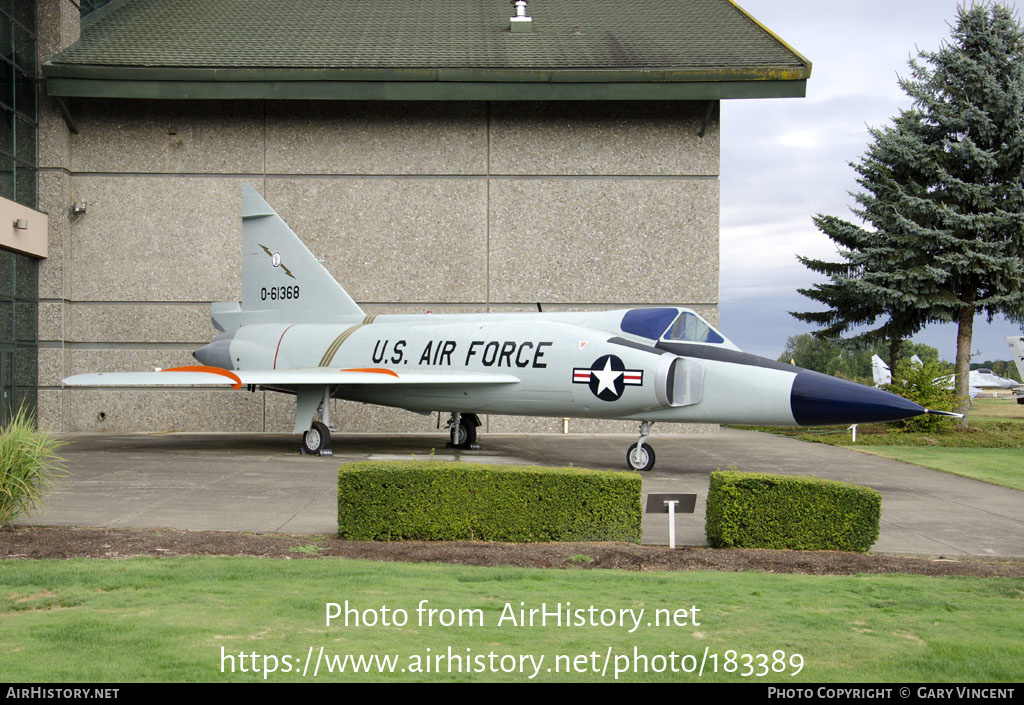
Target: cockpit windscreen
[(688, 327)]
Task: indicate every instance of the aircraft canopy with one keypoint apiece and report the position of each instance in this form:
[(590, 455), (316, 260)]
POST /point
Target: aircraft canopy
[(670, 324)]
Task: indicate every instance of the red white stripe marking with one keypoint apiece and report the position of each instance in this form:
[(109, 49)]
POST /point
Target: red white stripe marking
[(633, 378)]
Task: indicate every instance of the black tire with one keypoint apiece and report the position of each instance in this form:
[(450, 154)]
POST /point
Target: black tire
[(463, 435), (642, 461), (316, 439)]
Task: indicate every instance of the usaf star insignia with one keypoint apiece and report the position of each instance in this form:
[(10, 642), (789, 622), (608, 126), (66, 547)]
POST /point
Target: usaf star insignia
[(607, 377)]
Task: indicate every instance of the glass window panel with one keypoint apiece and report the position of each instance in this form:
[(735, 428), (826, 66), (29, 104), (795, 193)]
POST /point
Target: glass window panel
[(6, 133), (25, 183), (24, 95), (6, 275), (6, 175), (25, 319), (25, 141), (88, 6), (6, 321), (27, 279), (8, 6), (6, 84), (25, 13), (24, 49), (6, 39)]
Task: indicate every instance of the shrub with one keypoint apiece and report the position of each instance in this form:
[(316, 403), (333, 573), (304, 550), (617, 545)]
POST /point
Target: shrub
[(926, 385), (29, 466), (753, 510), (459, 501)]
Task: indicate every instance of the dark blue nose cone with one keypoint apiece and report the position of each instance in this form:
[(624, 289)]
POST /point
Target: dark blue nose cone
[(819, 400)]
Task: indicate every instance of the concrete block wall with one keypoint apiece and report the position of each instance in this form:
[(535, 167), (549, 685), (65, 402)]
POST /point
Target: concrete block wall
[(413, 206)]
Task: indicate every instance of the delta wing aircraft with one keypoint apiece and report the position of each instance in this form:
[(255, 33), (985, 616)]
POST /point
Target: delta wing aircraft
[(297, 331)]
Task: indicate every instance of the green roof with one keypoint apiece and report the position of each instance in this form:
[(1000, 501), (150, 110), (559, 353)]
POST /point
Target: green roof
[(427, 49)]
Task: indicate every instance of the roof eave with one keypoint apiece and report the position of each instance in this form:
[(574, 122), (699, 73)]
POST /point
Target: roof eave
[(67, 80)]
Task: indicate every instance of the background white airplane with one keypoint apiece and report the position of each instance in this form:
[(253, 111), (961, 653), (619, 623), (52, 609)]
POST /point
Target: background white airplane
[(880, 371), (980, 380), (1016, 343), (297, 331)]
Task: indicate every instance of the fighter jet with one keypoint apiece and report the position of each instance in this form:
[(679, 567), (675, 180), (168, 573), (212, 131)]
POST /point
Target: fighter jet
[(298, 332), (1016, 343), (978, 381), (881, 373), (982, 380)]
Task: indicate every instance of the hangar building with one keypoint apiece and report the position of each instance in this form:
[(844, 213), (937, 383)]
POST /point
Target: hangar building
[(437, 155)]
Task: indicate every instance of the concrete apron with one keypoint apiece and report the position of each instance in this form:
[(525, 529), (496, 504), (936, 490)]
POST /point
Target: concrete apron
[(259, 482)]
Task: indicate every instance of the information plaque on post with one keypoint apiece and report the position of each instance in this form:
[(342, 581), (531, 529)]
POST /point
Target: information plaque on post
[(659, 503)]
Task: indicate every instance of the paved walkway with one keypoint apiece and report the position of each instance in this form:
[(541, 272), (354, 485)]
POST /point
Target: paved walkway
[(258, 482)]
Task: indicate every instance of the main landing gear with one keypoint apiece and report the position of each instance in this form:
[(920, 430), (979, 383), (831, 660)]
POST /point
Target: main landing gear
[(462, 431), (317, 440), (640, 456)]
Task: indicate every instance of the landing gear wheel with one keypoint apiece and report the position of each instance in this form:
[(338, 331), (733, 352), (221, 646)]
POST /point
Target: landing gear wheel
[(640, 457), (463, 435), (317, 440)]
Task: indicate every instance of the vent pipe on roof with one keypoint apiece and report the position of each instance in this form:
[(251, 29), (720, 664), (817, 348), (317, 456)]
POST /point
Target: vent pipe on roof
[(520, 23)]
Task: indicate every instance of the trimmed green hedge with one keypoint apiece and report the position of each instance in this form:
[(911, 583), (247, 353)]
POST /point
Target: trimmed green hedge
[(754, 510), (458, 501)]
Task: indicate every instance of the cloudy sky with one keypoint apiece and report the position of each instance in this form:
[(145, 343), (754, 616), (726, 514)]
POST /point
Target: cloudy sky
[(783, 160)]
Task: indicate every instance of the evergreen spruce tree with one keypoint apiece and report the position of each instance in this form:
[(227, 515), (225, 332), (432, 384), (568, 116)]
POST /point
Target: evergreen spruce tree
[(970, 147), (944, 195), (884, 273)]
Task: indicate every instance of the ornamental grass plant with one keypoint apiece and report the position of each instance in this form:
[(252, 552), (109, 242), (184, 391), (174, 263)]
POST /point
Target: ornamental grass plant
[(29, 466)]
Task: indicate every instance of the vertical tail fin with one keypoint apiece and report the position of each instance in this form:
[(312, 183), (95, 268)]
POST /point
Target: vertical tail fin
[(282, 282), (880, 371), (1017, 345)]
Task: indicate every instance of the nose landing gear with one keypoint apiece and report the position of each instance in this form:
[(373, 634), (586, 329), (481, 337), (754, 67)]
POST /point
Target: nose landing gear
[(640, 456)]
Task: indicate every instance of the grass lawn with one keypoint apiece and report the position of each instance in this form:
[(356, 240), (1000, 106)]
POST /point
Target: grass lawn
[(996, 409), (1000, 466), (990, 449), (176, 619)]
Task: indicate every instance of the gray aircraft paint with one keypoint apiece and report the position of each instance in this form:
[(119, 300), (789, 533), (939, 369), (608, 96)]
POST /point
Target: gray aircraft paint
[(296, 330), (1016, 343)]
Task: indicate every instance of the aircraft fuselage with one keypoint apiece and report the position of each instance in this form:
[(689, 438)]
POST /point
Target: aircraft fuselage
[(566, 364)]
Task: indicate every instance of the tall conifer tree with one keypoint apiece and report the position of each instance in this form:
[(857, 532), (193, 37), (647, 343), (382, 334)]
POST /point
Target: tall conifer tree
[(970, 94), (884, 274), (944, 194)]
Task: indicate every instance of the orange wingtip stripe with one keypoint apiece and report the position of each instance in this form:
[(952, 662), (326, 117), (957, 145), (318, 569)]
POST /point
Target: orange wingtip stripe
[(212, 370), (375, 370)]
